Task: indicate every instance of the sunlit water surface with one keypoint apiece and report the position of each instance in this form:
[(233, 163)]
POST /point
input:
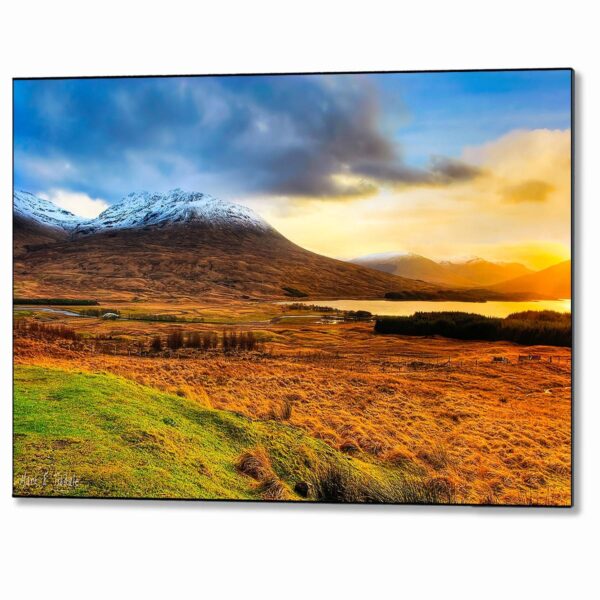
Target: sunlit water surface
[(404, 308)]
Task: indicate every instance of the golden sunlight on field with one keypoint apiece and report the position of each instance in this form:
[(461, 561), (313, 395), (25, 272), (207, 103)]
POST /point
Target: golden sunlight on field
[(491, 430)]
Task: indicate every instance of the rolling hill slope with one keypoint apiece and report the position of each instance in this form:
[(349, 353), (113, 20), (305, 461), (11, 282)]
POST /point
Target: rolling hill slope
[(553, 282), (109, 437)]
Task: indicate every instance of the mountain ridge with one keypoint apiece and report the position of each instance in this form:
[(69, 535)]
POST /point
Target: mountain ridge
[(473, 272)]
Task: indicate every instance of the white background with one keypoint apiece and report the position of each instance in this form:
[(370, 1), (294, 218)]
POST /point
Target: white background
[(92, 549)]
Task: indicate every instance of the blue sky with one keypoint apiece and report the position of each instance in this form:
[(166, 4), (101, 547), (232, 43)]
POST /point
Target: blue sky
[(448, 111), (298, 137)]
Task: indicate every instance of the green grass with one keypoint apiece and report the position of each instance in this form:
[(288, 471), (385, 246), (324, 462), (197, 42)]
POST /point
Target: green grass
[(121, 439)]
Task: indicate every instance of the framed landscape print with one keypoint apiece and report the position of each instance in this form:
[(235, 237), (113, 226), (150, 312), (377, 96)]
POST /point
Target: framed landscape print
[(327, 287)]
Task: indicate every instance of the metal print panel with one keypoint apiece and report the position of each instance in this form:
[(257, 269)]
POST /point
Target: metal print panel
[(347, 288)]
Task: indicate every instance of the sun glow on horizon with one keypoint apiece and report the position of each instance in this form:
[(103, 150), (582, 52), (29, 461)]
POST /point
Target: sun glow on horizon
[(518, 211)]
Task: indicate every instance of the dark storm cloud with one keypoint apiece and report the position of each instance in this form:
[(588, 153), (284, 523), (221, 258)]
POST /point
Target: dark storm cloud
[(440, 171), (295, 135), (448, 170)]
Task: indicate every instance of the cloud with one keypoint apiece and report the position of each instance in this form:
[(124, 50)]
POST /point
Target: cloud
[(448, 170), (531, 190), (78, 203), (297, 136), (470, 216), (441, 171)]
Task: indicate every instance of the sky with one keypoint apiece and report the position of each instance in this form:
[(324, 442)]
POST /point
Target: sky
[(446, 165)]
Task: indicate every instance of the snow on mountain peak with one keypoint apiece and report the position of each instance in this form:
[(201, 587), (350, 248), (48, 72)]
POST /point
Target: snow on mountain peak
[(142, 209), (385, 255), (464, 260), (145, 209), (44, 212)]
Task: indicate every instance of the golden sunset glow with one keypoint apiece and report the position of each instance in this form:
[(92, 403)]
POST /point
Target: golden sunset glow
[(518, 209)]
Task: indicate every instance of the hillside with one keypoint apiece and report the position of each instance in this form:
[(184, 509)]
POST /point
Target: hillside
[(553, 282), (183, 245), (28, 233), (121, 439), (474, 272)]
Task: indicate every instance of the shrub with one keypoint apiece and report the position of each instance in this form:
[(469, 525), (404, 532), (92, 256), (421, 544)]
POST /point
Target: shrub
[(32, 328), (209, 340), (175, 340), (242, 341), (194, 340)]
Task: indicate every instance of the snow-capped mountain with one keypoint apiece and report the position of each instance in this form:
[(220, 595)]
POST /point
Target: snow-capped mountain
[(141, 210), (144, 209), (43, 212)]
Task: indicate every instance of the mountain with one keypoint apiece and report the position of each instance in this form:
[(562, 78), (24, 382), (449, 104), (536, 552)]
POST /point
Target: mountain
[(473, 272), (412, 266), (28, 207), (190, 246), (139, 210), (553, 282), (37, 221), (482, 272)]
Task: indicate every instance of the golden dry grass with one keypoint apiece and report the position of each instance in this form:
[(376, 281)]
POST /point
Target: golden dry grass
[(491, 433)]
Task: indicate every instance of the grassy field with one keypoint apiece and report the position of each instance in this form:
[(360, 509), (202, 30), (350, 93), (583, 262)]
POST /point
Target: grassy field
[(85, 434), (473, 430)]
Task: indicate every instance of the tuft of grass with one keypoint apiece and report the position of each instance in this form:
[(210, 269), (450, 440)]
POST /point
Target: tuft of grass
[(255, 463), (272, 489), (435, 456), (340, 483)]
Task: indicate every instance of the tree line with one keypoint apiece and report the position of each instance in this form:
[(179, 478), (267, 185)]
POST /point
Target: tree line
[(528, 328), (230, 341), (56, 301)]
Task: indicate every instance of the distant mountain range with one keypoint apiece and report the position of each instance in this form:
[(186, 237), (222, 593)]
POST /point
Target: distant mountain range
[(177, 245), (468, 273)]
